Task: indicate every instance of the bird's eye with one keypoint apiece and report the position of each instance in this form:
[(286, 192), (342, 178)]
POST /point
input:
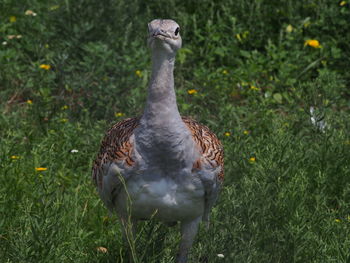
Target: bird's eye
[(177, 31)]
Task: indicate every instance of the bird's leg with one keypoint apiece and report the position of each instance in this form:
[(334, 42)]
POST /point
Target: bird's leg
[(189, 230)]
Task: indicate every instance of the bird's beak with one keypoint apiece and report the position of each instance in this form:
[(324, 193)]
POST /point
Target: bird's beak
[(157, 33)]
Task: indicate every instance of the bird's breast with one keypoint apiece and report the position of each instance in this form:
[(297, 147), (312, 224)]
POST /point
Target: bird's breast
[(162, 197)]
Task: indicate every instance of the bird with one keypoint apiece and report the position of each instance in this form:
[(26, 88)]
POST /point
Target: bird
[(160, 165)]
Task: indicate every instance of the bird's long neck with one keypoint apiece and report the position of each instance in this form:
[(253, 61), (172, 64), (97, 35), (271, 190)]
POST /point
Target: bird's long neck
[(163, 139), (161, 100)]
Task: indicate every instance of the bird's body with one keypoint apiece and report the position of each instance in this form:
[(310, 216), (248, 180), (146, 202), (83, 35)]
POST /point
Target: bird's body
[(161, 165)]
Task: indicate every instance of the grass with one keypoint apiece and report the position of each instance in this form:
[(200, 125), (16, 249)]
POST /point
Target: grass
[(287, 187)]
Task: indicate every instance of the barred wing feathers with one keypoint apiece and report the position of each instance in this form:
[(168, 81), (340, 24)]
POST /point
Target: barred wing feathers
[(116, 147), (210, 146)]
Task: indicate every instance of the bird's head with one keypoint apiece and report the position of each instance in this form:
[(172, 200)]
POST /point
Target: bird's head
[(164, 34)]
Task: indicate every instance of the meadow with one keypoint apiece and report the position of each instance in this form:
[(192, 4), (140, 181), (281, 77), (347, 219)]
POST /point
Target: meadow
[(249, 70)]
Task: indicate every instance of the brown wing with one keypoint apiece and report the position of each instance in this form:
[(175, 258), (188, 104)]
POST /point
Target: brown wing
[(209, 145), (115, 147)]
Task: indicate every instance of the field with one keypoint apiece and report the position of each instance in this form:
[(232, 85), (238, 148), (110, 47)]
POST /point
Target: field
[(250, 70)]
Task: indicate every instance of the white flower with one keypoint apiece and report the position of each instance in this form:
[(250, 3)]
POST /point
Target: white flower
[(317, 119), (74, 151), (30, 13), (4, 43), (221, 255)]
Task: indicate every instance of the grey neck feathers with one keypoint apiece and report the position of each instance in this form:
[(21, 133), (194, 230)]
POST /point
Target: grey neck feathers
[(161, 101), (162, 138)]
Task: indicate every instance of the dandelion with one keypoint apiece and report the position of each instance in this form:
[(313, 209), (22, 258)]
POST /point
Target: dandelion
[(342, 3), (192, 91), (245, 132), (220, 255), (252, 87), (14, 157), (138, 73), (13, 19), (65, 107), (45, 66), (252, 159), (29, 13), (227, 134), (39, 169), (224, 72), (119, 114), (289, 29), (337, 220), (102, 249), (30, 102), (312, 43)]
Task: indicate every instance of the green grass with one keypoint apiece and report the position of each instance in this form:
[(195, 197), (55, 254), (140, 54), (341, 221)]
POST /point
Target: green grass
[(254, 80)]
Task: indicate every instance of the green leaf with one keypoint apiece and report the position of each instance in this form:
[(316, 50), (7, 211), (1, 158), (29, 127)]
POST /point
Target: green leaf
[(277, 97)]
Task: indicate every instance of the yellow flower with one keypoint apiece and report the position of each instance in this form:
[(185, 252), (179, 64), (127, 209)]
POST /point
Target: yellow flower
[(342, 3), (289, 28), (191, 91), (65, 107), (40, 169), (337, 220), (224, 72), (45, 66), (227, 134), (30, 102), (252, 87), (238, 36), (312, 43), (245, 132), (252, 159), (119, 114), (138, 73), (13, 19), (64, 120), (14, 157)]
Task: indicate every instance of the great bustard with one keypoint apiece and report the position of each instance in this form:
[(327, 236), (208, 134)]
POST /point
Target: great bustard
[(161, 165)]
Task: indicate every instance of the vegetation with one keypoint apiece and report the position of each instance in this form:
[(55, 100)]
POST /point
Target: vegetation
[(250, 70)]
